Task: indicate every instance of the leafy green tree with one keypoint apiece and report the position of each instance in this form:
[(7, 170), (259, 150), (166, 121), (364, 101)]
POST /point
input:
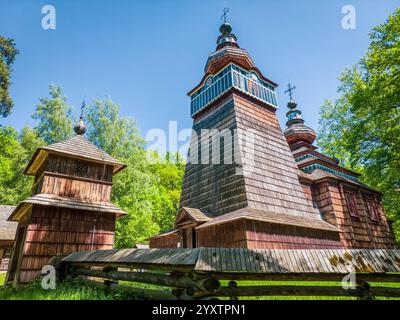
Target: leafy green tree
[(7, 58), (362, 127), (55, 117), (16, 151), (133, 188), (168, 175), (118, 136)]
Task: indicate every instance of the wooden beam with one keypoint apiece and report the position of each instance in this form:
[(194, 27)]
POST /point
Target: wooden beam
[(365, 277), (204, 284), (132, 265), (279, 290)]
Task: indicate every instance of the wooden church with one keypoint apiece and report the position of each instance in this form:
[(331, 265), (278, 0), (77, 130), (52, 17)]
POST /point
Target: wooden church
[(70, 208), (280, 192)]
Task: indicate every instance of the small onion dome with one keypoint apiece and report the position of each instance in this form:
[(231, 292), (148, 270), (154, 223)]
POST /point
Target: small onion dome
[(80, 127), (299, 132), (292, 104), (225, 28)]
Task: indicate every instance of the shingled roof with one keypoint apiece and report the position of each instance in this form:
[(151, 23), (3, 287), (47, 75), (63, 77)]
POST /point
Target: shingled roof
[(195, 214), (77, 147), (7, 228), (271, 217), (64, 202), (319, 175)]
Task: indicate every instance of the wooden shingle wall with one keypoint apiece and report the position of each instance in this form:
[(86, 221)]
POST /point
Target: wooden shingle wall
[(271, 178), (167, 241), (60, 231), (227, 235), (355, 232), (261, 235), (214, 188)]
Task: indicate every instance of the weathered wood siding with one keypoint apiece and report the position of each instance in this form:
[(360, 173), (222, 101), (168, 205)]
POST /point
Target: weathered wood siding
[(61, 231), (69, 166), (167, 241), (74, 178), (5, 256), (227, 235), (355, 232), (261, 235), (76, 188)]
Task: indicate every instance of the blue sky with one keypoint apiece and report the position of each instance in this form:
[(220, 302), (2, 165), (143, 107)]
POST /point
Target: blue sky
[(146, 55)]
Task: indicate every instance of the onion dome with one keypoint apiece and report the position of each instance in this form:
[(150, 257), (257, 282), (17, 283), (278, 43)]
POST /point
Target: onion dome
[(227, 50), (226, 37), (296, 130), (80, 127)]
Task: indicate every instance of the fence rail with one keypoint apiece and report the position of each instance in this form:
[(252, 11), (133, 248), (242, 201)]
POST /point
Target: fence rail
[(187, 274)]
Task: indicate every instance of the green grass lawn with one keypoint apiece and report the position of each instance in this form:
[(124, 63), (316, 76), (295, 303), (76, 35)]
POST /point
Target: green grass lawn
[(77, 290)]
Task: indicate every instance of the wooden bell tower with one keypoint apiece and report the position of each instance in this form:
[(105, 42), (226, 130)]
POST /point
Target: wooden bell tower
[(70, 208)]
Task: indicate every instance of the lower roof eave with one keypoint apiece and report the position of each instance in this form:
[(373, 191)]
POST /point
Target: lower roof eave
[(24, 206), (329, 227)]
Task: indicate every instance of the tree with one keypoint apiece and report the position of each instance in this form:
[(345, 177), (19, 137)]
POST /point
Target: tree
[(7, 58), (16, 151), (133, 188), (118, 136), (363, 126), (55, 117), (149, 188), (168, 175)]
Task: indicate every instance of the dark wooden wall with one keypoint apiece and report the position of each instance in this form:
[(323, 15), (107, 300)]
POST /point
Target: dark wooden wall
[(261, 235), (59, 231), (69, 166), (64, 177), (167, 241), (355, 232), (5, 255), (227, 235)]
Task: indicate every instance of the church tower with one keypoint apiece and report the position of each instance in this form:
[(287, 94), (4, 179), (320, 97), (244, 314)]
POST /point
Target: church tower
[(70, 208), (241, 186), (348, 204)]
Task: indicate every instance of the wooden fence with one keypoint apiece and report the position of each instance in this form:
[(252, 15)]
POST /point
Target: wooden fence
[(208, 273)]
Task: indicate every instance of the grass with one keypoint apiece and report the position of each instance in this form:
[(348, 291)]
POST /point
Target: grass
[(67, 290), (307, 283), (77, 290)]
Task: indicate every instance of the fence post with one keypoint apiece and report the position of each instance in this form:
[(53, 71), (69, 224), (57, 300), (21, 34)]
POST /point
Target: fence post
[(364, 290), (107, 282)]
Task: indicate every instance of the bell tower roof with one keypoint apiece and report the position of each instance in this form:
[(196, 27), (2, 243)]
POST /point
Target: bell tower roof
[(77, 147)]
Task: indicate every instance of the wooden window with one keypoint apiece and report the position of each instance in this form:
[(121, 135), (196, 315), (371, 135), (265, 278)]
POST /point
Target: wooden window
[(373, 213), (351, 203), (81, 169)]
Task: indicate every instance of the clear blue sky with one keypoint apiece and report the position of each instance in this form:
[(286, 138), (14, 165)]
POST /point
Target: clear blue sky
[(146, 55)]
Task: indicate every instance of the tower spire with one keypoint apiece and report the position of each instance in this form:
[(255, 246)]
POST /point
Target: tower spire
[(296, 129), (226, 37), (290, 90), (225, 11), (80, 127), (294, 114)]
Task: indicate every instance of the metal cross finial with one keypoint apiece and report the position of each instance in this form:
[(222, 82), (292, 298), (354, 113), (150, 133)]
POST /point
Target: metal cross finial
[(225, 11), (290, 90), (83, 108)]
